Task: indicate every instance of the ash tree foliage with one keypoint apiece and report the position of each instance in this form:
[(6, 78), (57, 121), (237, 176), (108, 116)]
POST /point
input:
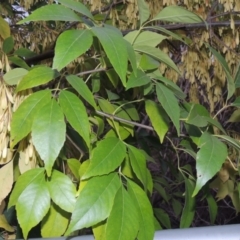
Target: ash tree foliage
[(73, 149)]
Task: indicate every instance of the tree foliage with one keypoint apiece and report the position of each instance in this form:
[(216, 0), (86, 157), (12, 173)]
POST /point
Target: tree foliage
[(94, 101)]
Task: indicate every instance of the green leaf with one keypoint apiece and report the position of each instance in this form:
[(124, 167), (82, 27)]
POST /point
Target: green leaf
[(77, 6), (115, 47), (143, 39), (18, 62), (177, 14), (235, 117), (52, 12), (81, 87), (32, 205), (137, 81), (157, 54), (212, 208), (30, 177), (36, 77), (237, 78), (14, 76), (236, 102), (55, 223), (210, 158), (163, 217), (197, 116), (169, 103), (74, 166), (147, 63), (76, 114), (48, 133), (230, 80), (70, 45), (232, 142), (146, 218), (8, 45), (138, 163), (131, 57), (94, 202), (106, 157), (62, 191), (22, 119), (5, 30), (123, 222), (144, 12), (189, 206), (24, 53), (158, 118)]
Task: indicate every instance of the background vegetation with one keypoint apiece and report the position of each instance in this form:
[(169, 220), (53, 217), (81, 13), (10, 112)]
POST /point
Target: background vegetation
[(118, 117)]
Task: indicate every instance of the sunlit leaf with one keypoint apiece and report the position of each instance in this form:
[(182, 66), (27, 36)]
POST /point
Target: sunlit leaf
[(62, 191), (123, 221), (144, 12), (23, 118), (76, 114), (106, 157), (115, 48), (32, 205), (48, 133), (52, 12), (14, 76), (36, 77), (4, 28), (143, 205), (94, 202), (70, 45)]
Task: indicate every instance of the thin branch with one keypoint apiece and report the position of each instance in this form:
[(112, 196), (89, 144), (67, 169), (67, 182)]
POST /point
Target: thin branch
[(110, 116), (76, 146), (91, 71)]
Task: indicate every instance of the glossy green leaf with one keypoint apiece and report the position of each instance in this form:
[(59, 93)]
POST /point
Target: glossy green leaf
[(230, 80), (99, 230), (62, 191), (144, 207), (32, 205), (8, 45), (163, 217), (158, 117), (76, 114), (74, 166), (52, 12), (138, 163), (212, 208), (95, 202), (70, 45), (55, 223), (157, 54), (30, 177), (48, 133), (137, 81), (36, 77), (106, 157), (14, 76), (123, 222), (169, 103), (144, 12), (22, 119), (77, 6), (115, 47), (210, 158), (81, 87), (189, 206), (177, 14)]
